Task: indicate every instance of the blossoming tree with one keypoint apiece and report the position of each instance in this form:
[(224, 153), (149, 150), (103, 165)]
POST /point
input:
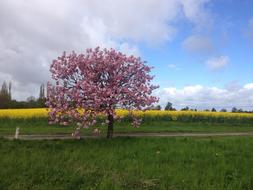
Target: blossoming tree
[(96, 83)]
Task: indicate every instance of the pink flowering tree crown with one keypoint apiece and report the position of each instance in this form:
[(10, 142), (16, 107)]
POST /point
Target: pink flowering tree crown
[(96, 83)]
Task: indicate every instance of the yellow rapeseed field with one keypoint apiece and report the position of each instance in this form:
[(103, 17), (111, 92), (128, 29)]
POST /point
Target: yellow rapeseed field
[(191, 116), (23, 113), (147, 115)]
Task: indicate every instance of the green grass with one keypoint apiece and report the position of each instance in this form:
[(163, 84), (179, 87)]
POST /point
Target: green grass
[(128, 163), (40, 126)]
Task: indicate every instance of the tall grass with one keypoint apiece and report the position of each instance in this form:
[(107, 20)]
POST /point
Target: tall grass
[(128, 163)]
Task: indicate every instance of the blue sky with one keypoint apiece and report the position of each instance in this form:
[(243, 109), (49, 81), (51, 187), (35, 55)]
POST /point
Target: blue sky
[(176, 66), (201, 50)]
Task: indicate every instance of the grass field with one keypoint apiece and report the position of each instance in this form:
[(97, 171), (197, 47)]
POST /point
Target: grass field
[(40, 126), (128, 163)]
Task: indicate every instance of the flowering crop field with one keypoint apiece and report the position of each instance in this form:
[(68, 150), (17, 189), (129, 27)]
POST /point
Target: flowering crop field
[(150, 115), (23, 113)]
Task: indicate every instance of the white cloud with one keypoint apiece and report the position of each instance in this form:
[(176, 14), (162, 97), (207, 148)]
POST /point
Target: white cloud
[(249, 86), (174, 67), (204, 97), (33, 32), (217, 63), (198, 44), (196, 11)]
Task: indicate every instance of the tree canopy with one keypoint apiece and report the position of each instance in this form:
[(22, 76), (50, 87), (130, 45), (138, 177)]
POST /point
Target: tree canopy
[(97, 82)]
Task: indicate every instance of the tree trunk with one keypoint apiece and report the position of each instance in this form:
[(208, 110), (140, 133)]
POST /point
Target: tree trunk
[(110, 126)]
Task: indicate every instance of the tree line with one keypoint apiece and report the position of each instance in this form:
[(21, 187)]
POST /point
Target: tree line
[(169, 107), (6, 100)]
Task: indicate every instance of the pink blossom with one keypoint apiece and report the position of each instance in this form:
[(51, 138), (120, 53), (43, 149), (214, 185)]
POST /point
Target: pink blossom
[(95, 83)]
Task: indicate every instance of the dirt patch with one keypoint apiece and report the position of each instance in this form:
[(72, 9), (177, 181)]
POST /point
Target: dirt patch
[(138, 134)]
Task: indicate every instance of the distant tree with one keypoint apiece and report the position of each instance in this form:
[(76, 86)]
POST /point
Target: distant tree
[(207, 110), (4, 89), (31, 99), (5, 96), (20, 104), (185, 109), (240, 110), (169, 107), (234, 109), (9, 93), (158, 107), (31, 102), (213, 110), (42, 92), (42, 99), (223, 110)]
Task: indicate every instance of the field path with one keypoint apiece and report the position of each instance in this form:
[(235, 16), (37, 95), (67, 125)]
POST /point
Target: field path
[(136, 134)]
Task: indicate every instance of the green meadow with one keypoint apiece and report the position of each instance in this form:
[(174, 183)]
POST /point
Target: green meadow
[(40, 126), (128, 163)]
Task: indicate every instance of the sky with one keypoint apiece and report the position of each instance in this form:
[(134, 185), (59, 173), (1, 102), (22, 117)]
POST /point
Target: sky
[(201, 50)]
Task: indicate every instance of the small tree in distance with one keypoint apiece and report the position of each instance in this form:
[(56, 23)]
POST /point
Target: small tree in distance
[(185, 108), (42, 97), (97, 82), (5, 95), (234, 110), (169, 107), (223, 110)]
